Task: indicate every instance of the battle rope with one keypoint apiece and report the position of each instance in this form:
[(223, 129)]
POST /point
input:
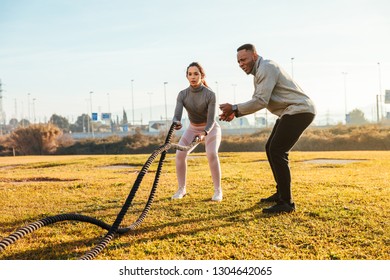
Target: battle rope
[(114, 228)]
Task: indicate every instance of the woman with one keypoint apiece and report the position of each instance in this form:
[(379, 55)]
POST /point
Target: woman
[(200, 104)]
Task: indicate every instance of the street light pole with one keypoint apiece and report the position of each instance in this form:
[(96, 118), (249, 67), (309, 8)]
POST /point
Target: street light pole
[(292, 67), (108, 102), (217, 90), (109, 110), (28, 106), (16, 108), (88, 119), (165, 97), (234, 93), (132, 99), (90, 103), (34, 119), (378, 97), (345, 95), (150, 105)]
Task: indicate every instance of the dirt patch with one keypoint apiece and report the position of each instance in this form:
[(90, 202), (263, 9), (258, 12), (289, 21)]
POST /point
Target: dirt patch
[(118, 166), (331, 161), (6, 167), (39, 179)]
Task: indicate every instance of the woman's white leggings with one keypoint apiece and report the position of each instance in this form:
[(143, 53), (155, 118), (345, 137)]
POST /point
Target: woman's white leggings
[(212, 142)]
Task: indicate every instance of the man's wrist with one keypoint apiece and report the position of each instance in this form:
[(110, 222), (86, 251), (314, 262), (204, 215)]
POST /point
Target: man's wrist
[(235, 109)]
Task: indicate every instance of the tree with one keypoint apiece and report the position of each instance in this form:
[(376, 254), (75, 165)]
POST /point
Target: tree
[(124, 120), (24, 123), (81, 124), (13, 122), (60, 122), (357, 117)]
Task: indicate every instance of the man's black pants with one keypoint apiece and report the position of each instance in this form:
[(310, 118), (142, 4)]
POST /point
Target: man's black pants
[(284, 135)]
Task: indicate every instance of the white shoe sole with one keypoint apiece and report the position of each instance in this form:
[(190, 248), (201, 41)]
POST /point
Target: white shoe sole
[(178, 195), (217, 198)]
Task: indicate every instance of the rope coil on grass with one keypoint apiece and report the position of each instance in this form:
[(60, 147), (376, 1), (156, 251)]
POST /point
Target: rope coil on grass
[(114, 228)]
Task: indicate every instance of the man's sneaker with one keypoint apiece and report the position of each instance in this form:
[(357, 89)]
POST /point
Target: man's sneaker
[(217, 195), (181, 192), (272, 198), (282, 207)]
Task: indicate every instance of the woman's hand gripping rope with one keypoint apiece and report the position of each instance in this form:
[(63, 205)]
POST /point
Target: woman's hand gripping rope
[(194, 142)]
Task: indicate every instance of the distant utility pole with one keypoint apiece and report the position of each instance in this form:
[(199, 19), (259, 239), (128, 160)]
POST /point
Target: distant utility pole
[(132, 99), (150, 105), (234, 93), (2, 113), (28, 107), (90, 103), (292, 67), (16, 108), (378, 97), (88, 119), (108, 103), (345, 96), (217, 90), (165, 101), (33, 104)]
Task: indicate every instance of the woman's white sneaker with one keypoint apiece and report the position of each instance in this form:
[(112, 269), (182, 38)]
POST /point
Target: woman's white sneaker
[(217, 195), (181, 192)]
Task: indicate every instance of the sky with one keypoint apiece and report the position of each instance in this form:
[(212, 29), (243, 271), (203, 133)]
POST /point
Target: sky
[(65, 57)]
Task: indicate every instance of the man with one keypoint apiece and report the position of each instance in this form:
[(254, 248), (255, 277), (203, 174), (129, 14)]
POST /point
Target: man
[(278, 93)]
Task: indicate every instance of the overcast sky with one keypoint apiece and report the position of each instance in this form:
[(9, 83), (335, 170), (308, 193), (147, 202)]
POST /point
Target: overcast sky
[(53, 53)]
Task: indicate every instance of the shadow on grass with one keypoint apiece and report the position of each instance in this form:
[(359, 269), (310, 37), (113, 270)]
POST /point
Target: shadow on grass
[(53, 252), (60, 251), (88, 211)]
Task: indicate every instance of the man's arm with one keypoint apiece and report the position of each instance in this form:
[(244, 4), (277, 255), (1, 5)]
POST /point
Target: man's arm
[(265, 81)]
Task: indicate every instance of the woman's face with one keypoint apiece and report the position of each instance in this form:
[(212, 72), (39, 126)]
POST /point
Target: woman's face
[(194, 76)]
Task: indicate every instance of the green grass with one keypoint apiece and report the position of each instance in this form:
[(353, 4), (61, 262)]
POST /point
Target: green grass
[(342, 209)]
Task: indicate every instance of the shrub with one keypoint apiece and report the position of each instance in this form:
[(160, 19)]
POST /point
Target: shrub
[(36, 139)]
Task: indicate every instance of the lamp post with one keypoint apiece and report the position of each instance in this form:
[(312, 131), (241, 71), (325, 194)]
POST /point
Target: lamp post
[(16, 108), (33, 104), (217, 90), (378, 97), (108, 102), (90, 103), (345, 95), (132, 99), (150, 104), (88, 119), (166, 114), (109, 109), (165, 97), (28, 106), (234, 93), (292, 67)]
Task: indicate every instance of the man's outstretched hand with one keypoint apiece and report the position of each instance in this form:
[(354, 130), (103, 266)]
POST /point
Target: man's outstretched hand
[(227, 112)]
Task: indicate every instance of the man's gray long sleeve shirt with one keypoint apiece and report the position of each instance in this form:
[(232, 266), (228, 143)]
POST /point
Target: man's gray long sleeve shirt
[(276, 91)]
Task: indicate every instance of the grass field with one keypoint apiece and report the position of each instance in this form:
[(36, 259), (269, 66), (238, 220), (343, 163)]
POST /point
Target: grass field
[(342, 208)]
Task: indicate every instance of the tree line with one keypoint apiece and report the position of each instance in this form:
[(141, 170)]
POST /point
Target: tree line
[(83, 123), (45, 139)]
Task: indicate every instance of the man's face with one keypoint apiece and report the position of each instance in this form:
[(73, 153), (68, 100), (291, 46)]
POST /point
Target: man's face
[(246, 59)]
